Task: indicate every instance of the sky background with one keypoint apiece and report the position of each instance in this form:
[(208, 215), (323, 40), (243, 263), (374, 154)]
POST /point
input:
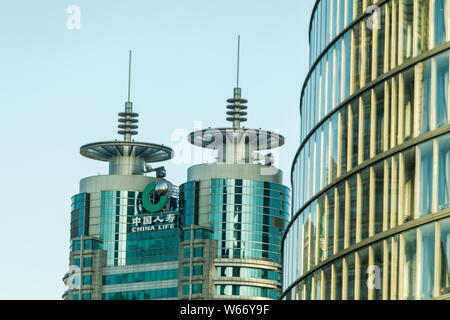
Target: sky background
[(62, 88)]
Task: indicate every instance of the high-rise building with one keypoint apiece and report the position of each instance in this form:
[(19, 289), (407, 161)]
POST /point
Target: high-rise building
[(371, 178), (233, 213), (124, 232)]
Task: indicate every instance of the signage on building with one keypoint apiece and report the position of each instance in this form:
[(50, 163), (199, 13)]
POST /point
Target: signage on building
[(162, 221), (147, 204), (153, 223)]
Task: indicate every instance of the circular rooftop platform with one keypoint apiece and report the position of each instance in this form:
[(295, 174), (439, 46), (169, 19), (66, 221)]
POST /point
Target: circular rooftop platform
[(216, 137), (104, 151)]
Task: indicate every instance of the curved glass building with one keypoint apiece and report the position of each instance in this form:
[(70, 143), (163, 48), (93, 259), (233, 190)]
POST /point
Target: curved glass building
[(371, 178), (124, 231), (233, 214)]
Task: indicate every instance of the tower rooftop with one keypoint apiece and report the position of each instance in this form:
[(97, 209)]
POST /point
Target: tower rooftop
[(238, 144), (127, 156)]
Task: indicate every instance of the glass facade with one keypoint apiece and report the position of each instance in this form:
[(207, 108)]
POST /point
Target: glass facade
[(148, 294), (373, 160), (245, 272), (79, 217), (358, 58), (247, 220), (121, 234), (125, 247), (157, 275), (401, 266), (196, 289), (90, 244), (247, 217), (246, 291)]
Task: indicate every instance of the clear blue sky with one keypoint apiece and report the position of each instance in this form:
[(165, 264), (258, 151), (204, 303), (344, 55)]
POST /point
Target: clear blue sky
[(62, 88)]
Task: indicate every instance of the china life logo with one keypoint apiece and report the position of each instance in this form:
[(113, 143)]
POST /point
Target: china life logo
[(159, 189), (152, 222)]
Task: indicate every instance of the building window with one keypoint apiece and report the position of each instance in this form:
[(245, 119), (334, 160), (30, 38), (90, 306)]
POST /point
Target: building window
[(87, 280), (444, 285), (442, 71), (198, 252), (444, 173), (87, 262), (425, 260), (157, 275), (425, 180), (76, 245), (202, 234), (186, 271), (197, 270), (197, 288), (441, 21), (235, 290), (92, 244), (142, 294), (185, 289), (86, 296)]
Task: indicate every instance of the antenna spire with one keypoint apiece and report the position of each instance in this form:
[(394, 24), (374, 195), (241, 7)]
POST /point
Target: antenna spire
[(129, 76), (237, 104), (128, 119), (238, 58)]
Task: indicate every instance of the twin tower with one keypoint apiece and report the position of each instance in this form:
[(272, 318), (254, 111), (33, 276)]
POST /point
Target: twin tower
[(134, 235)]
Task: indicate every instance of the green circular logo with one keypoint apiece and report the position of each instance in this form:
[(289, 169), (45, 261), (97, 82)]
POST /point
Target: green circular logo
[(152, 207)]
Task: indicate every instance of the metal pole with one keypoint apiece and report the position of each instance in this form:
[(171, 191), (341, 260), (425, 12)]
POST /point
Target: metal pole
[(81, 265), (129, 76), (191, 257), (238, 53)]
